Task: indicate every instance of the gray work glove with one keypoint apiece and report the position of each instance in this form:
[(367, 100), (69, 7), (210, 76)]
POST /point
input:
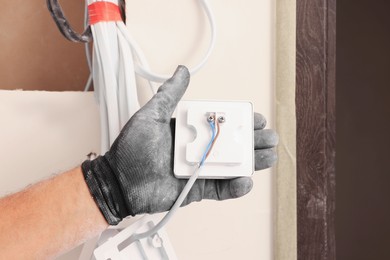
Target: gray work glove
[(136, 175)]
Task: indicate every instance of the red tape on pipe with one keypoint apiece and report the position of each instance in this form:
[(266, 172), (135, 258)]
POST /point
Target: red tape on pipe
[(103, 12)]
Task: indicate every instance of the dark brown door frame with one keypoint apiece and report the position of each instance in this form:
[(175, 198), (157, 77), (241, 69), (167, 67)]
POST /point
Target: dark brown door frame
[(315, 110)]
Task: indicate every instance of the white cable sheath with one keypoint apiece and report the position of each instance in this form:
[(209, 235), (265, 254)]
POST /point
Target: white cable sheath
[(114, 79), (137, 52), (143, 70), (179, 201), (171, 212)]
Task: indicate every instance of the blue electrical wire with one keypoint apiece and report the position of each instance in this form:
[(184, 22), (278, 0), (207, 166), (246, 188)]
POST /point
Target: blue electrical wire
[(212, 126)]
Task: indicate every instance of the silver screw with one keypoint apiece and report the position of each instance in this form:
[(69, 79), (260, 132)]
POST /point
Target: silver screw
[(221, 119), (210, 118)]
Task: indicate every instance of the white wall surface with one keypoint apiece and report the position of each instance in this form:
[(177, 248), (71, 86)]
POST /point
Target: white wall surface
[(45, 133)]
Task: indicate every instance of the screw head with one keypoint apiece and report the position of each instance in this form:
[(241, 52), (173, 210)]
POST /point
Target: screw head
[(211, 118), (221, 119)]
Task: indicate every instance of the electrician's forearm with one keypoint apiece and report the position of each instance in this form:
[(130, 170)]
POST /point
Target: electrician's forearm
[(48, 218)]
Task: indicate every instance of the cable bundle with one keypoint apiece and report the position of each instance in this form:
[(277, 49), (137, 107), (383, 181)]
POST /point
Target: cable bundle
[(64, 26), (112, 64), (116, 59), (113, 69), (113, 73)]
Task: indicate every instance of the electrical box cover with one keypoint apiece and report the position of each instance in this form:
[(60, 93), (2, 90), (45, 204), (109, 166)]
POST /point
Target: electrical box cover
[(232, 153)]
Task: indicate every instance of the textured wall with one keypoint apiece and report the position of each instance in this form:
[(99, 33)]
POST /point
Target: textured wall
[(33, 54)]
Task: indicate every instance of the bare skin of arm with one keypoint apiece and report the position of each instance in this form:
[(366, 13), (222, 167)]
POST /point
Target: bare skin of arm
[(49, 218)]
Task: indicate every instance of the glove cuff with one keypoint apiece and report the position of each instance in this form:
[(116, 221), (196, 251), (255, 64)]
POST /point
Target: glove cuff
[(105, 189)]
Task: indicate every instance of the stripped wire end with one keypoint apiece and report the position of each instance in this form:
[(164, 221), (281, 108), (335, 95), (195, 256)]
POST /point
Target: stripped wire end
[(215, 130)]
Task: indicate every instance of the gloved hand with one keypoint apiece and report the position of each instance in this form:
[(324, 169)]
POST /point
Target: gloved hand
[(136, 175)]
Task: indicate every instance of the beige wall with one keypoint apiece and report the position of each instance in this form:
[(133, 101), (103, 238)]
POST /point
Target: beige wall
[(33, 53)]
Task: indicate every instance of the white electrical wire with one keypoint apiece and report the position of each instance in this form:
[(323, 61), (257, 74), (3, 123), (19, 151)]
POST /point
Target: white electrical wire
[(143, 70), (171, 212), (137, 52), (179, 201), (113, 77)]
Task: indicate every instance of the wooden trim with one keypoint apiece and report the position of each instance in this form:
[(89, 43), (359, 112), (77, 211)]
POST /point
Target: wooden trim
[(315, 110), (285, 237)]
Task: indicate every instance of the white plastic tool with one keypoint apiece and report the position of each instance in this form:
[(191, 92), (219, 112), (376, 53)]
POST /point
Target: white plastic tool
[(232, 154)]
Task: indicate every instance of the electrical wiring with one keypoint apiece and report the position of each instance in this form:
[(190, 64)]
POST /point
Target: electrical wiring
[(142, 68), (122, 7), (215, 138), (137, 52), (105, 52), (113, 77), (116, 60), (89, 83), (87, 51), (63, 25), (114, 69), (185, 191), (211, 143), (115, 74), (144, 71)]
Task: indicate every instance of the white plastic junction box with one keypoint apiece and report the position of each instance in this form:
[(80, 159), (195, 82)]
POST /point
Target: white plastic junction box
[(232, 154)]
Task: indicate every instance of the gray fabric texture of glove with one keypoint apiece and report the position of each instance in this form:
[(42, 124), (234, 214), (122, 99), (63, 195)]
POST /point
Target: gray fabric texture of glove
[(136, 175)]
